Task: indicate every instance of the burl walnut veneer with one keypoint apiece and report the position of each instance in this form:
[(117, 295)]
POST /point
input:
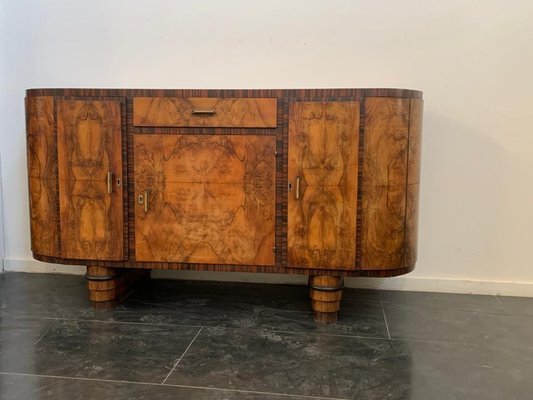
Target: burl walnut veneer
[(322, 182)]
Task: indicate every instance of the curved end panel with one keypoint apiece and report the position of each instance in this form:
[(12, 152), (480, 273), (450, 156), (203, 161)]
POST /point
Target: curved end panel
[(383, 184), (390, 184), (384, 273), (42, 172), (413, 181)]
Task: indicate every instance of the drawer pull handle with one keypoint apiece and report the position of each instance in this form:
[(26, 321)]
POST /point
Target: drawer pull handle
[(297, 187), (203, 112), (109, 182)]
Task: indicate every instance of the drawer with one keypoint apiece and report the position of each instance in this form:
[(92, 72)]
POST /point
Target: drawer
[(205, 112)]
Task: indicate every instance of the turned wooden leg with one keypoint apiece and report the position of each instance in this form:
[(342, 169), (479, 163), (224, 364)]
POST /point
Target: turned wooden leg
[(326, 295), (108, 287)]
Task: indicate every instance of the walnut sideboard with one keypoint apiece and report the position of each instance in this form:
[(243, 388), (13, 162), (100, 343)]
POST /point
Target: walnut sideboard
[(322, 182)]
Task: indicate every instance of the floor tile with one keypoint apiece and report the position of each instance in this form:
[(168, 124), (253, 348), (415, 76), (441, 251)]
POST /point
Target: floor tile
[(354, 368), (143, 353), (517, 305), (43, 295), (423, 322), (260, 339), (439, 371), (479, 303), (293, 363), (274, 307), (17, 387)]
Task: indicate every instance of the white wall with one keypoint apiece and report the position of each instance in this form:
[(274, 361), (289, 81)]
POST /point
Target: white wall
[(473, 60)]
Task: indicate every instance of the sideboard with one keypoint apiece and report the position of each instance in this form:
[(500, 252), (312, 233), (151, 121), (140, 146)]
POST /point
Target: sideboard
[(321, 182)]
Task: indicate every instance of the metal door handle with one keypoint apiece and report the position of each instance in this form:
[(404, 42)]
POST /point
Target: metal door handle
[(297, 187), (109, 182), (146, 201)]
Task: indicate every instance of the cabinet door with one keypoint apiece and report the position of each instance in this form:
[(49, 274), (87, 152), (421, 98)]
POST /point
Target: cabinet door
[(211, 199), (322, 173), (90, 170)]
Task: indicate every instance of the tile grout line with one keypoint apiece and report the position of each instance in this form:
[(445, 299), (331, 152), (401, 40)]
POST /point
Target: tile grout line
[(318, 334), (40, 337), (385, 318), (46, 386), (179, 359), (170, 385), (133, 323), (262, 329)]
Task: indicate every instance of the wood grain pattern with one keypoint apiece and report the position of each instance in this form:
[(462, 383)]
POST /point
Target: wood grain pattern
[(386, 138), (413, 182), (42, 173), (415, 141), (411, 225), (284, 97), (90, 145), (235, 112), (212, 198), (108, 287), (323, 143), (326, 295), (41, 138), (44, 229), (384, 183)]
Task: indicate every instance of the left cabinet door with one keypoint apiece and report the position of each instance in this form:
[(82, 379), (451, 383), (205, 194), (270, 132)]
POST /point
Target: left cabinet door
[(90, 179)]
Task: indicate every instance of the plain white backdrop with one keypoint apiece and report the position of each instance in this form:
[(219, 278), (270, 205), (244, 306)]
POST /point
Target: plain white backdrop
[(473, 60)]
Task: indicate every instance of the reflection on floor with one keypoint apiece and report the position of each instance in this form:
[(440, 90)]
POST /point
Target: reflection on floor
[(207, 340)]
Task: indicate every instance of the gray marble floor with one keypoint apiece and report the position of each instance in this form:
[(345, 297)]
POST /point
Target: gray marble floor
[(209, 340)]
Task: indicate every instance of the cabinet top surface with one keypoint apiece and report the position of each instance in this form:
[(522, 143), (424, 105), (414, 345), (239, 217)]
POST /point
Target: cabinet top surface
[(299, 92)]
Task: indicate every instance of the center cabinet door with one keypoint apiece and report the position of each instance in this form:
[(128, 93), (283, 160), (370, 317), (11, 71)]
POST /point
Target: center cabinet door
[(322, 173), (90, 168), (205, 199)]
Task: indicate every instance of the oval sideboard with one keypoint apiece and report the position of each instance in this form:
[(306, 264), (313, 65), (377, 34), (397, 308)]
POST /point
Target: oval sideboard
[(321, 182)]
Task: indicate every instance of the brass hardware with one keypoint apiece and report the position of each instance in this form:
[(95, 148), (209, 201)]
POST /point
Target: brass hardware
[(146, 205), (204, 112), (109, 182), (297, 187), (118, 182), (140, 199)]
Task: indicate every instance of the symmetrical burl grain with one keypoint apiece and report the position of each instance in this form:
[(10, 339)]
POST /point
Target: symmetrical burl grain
[(211, 199), (205, 112), (322, 172), (90, 147), (219, 201), (42, 172), (386, 139)]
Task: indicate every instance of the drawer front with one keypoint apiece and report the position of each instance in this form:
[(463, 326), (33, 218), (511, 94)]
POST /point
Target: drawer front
[(206, 112)]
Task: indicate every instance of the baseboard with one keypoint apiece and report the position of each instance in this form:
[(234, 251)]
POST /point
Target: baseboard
[(406, 282)]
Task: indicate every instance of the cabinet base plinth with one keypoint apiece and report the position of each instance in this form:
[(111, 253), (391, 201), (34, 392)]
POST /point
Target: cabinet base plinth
[(326, 296), (108, 287)]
